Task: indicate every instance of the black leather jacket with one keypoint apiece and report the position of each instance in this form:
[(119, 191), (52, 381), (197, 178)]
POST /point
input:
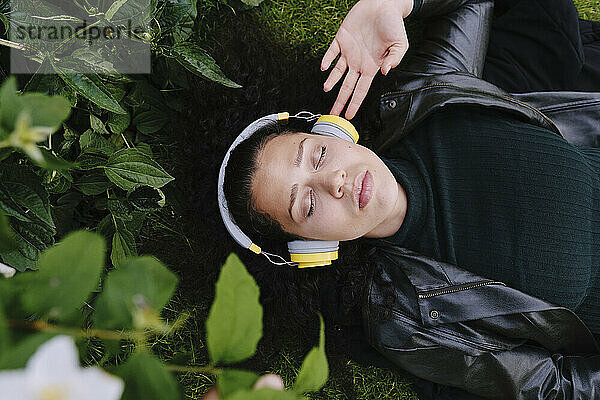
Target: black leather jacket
[(434, 319)]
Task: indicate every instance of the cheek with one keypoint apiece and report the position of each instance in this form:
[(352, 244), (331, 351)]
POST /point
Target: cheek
[(335, 217)]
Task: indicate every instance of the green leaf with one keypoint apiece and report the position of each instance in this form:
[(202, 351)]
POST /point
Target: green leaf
[(138, 12), (70, 138), (92, 140), (91, 58), (18, 354), (98, 126), (263, 394), (41, 110), (93, 183), (146, 378), (194, 9), (146, 198), (30, 118), (25, 189), (121, 209), (46, 111), (33, 238), (7, 236), (123, 243), (129, 168), (178, 16), (68, 272), (135, 225), (118, 122), (112, 348), (138, 282), (52, 161), (11, 208), (10, 105), (315, 370), (91, 87), (232, 380), (234, 324), (199, 62), (149, 122), (56, 181), (90, 159), (114, 8), (106, 227), (63, 211), (144, 148)]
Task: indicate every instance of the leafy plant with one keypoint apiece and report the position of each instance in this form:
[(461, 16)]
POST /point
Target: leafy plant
[(107, 164), (42, 305), (77, 153)]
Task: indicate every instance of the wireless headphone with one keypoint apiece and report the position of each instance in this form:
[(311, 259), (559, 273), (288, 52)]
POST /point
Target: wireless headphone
[(303, 253)]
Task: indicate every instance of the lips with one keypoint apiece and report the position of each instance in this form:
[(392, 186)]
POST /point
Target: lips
[(363, 189)]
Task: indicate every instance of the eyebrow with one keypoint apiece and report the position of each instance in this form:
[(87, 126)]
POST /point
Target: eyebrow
[(296, 163)]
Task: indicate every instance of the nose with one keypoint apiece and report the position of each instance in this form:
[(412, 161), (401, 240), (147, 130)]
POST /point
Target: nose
[(336, 182)]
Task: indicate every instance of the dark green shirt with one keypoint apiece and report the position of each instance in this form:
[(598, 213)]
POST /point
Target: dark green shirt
[(506, 200)]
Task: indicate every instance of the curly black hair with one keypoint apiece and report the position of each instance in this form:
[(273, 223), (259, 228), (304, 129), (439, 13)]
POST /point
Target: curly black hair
[(239, 174)]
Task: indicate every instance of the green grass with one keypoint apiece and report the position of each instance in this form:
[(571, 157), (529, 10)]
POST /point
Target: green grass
[(308, 24), (312, 24), (588, 9)]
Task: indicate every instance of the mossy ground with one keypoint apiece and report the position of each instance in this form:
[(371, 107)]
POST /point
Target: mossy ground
[(274, 52)]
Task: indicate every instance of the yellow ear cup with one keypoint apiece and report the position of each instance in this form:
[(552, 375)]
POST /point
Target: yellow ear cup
[(306, 260), (342, 123)]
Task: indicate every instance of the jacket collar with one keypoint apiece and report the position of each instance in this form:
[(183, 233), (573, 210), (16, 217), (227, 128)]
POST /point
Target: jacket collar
[(402, 110)]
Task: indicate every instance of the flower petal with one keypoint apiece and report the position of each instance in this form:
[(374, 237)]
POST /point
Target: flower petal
[(6, 270), (96, 384), (14, 385), (54, 360)]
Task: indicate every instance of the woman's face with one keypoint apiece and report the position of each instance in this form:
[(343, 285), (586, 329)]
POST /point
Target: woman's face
[(326, 188)]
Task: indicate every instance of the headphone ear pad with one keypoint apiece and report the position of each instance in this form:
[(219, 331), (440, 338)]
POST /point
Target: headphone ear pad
[(335, 126), (313, 253)]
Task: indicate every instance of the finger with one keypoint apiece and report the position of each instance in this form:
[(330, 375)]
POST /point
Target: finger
[(345, 92), (330, 55), (212, 394), (360, 92), (395, 54), (336, 74), (271, 381)]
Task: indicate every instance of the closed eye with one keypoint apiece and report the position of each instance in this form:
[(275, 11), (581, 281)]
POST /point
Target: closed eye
[(312, 205), (323, 151)]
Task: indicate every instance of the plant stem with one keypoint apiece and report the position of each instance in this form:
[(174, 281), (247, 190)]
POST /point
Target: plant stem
[(83, 333), (125, 140), (202, 370), (14, 45)]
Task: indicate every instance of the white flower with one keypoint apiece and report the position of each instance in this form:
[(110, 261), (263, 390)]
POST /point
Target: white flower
[(54, 373), (7, 271)]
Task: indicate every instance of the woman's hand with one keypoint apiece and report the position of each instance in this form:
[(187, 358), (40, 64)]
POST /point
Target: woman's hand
[(371, 37)]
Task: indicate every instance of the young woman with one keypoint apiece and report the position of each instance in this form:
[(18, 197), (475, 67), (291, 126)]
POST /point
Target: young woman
[(467, 176)]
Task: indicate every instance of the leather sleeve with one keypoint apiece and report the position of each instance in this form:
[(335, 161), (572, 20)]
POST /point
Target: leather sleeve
[(533, 373), (533, 355), (455, 37), (522, 372)]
